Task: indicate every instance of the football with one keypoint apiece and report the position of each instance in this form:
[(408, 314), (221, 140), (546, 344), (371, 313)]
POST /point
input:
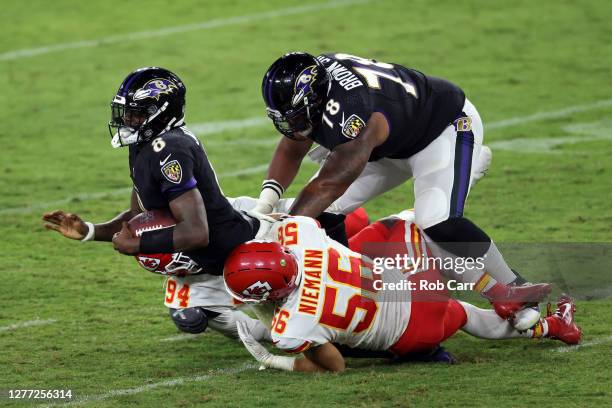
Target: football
[(151, 220)]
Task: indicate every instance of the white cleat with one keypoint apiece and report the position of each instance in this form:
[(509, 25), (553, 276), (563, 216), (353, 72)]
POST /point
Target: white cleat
[(526, 318)]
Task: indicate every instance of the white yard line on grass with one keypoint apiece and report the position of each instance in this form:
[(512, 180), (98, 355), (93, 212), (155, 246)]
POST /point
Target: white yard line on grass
[(163, 32), (596, 342), (570, 110), (258, 121), (544, 145), (112, 193), (29, 323), (216, 127), (147, 387), (181, 337), (208, 128)]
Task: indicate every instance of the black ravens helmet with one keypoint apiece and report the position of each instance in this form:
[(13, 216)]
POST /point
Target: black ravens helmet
[(149, 101), (294, 89)]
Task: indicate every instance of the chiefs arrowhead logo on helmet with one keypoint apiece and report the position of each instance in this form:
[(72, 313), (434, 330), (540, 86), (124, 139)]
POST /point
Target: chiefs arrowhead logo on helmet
[(258, 290), (150, 264)]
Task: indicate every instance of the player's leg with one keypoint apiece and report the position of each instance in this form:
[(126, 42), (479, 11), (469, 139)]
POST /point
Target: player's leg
[(386, 237), (356, 221), (376, 178), (486, 324), (192, 320), (378, 232), (442, 175), (428, 325)]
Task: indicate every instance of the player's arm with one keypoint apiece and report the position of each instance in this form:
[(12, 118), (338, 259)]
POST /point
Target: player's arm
[(73, 227), (318, 359), (190, 231), (344, 164), (287, 159), (283, 168)]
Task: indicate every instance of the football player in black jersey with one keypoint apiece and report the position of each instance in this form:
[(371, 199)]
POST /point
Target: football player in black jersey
[(169, 169), (383, 124)]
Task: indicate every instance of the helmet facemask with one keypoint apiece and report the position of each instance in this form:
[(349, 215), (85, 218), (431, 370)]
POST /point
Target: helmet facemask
[(297, 124), (129, 125)]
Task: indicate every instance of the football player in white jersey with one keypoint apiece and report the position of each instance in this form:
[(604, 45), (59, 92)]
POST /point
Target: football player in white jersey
[(198, 300), (324, 293)]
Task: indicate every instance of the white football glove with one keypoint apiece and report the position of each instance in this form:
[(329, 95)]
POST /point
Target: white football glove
[(260, 353), (263, 207), (265, 223)]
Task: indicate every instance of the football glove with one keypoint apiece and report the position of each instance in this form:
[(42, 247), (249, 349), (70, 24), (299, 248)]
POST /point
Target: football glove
[(260, 353)]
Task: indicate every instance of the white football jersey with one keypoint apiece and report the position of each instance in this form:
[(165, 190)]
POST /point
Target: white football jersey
[(336, 300), (197, 290), (206, 290)]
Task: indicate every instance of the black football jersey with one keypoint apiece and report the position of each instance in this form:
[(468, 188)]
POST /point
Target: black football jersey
[(173, 163), (418, 107)]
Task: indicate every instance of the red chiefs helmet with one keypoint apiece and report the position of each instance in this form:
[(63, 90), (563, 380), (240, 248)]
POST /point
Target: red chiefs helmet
[(258, 271), (176, 263)]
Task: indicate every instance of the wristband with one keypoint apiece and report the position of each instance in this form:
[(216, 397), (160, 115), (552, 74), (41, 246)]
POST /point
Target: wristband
[(159, 241), (273, 185), (91, 232), (271, 192)]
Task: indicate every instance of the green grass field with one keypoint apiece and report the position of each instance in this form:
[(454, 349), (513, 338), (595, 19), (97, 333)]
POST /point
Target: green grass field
[(537, 71)]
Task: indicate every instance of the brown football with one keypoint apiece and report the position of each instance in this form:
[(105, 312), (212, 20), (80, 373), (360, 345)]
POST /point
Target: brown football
[(151, 220)]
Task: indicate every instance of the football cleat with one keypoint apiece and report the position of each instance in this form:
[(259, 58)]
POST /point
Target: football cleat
[(509, 299), (561, 324), (526, 318)]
